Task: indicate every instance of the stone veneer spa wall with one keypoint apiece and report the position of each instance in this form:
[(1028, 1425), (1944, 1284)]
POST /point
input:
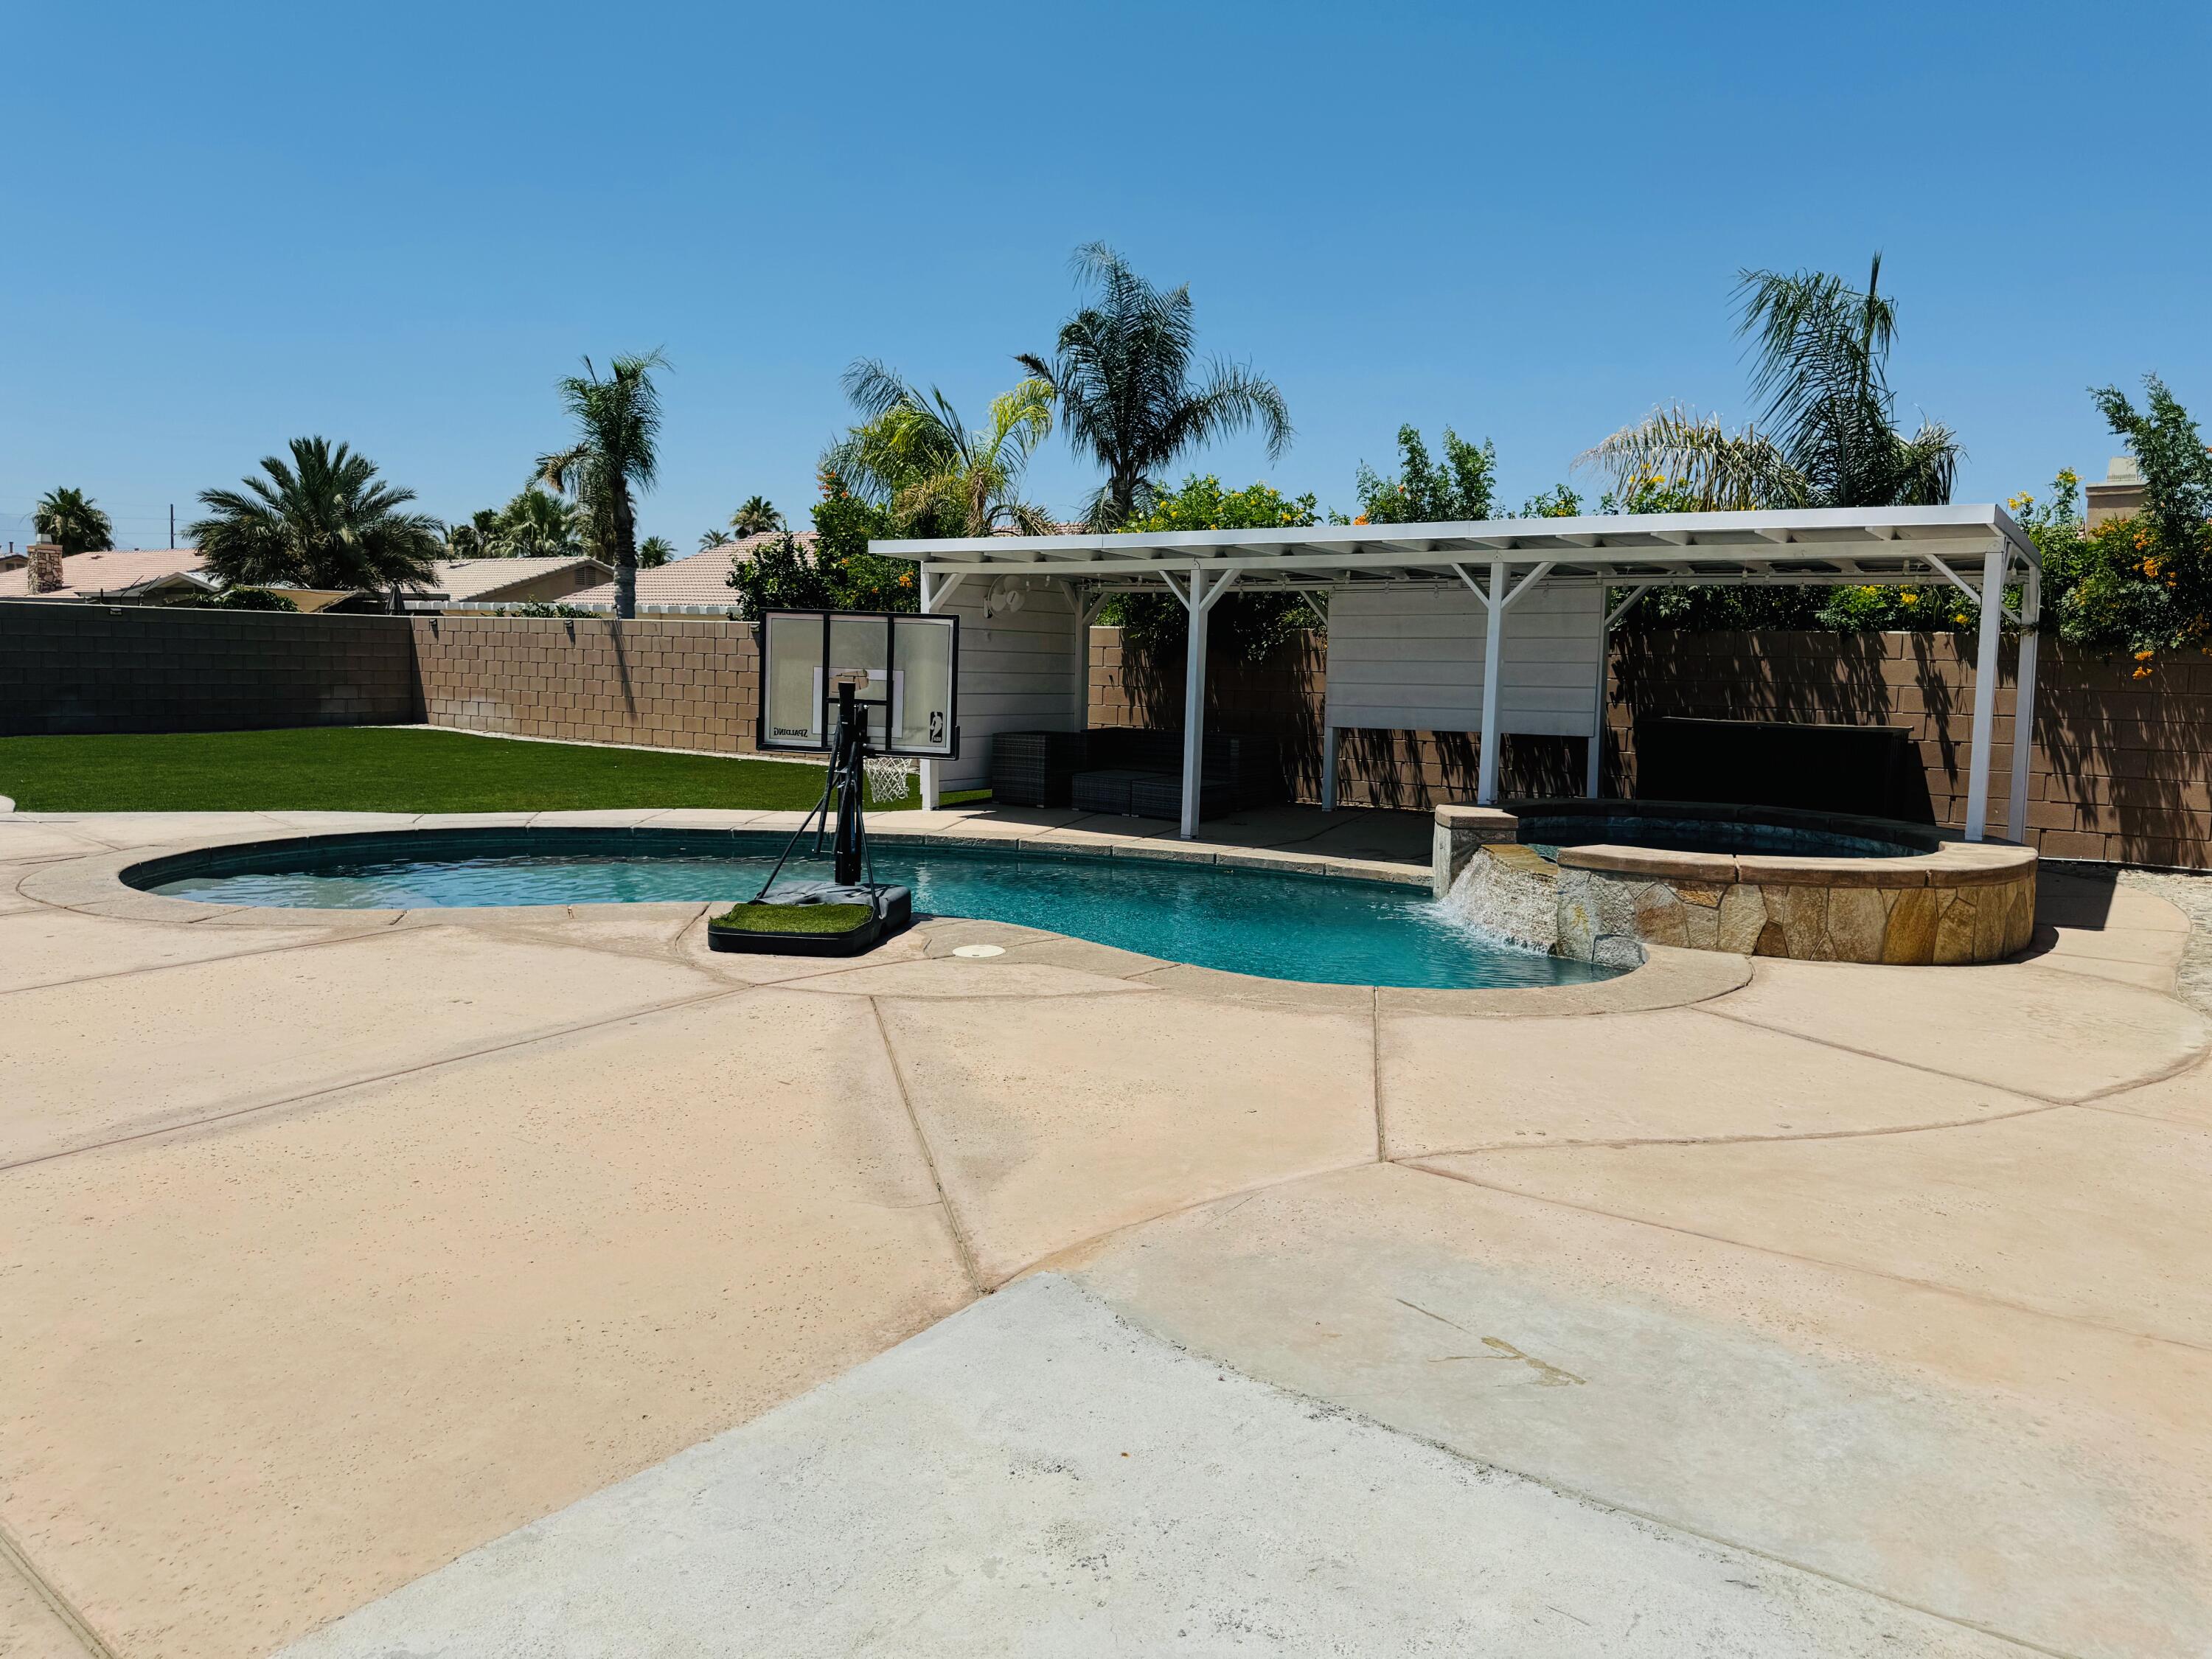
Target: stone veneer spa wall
[(1922, 899)]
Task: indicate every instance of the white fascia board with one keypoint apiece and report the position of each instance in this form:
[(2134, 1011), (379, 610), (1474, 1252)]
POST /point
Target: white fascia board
[(1599, 540)]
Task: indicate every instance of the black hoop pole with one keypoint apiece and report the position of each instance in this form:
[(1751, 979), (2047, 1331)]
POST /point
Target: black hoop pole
[(845, 780), (846, 770)]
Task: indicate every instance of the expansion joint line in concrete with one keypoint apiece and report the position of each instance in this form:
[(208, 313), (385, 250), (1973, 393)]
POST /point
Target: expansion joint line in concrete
[(305, 1095), (14, 1558), (2159, 1076), (1624, 1142), (1977, 1298), (1651, 1517), (377, 932), (929, 1154), (1374, 1072)]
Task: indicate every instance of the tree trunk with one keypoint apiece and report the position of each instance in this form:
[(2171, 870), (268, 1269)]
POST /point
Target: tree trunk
[(625, 555)]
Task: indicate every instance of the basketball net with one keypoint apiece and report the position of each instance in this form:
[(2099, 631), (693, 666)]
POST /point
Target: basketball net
[(888, 778)]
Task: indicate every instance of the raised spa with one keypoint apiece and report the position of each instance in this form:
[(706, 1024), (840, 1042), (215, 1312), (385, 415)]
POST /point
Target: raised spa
[(1281, 925), (1600, 880)]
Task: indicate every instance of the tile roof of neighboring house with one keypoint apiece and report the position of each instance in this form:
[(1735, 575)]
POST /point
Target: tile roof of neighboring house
[(475, 581), (700, 580), (84, 574)]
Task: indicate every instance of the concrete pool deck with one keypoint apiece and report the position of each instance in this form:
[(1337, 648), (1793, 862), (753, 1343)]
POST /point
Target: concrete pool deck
[(797, 1307)]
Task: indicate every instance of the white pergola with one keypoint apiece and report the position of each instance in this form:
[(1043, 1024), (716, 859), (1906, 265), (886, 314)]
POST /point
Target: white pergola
[(1552, 574)]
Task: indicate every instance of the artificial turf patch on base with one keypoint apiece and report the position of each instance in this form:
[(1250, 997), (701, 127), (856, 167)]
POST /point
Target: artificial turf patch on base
[(808, 918)]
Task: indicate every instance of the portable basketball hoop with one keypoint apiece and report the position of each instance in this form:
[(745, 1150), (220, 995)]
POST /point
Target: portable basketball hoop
[(877, 692)]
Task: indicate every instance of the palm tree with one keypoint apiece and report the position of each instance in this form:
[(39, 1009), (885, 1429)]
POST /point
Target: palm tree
[(1820, 358), (1699, 463), (618, 422), (711, 539), (73, 521), (756, 516), (914, 455), (537, 525), (473, 540), (324, 520), (654, 551), (1121, 375)]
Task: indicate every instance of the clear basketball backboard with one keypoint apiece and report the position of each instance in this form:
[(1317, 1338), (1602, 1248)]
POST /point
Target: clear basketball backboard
[(903, 668)]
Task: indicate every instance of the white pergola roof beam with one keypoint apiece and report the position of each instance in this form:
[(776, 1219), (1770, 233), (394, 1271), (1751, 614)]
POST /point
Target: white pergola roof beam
[(1600, 543)]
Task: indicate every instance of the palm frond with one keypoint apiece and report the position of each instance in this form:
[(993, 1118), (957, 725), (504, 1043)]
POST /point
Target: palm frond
[(1820, 354), (1121, 374), (72, 521), (912, 454), (321, 519), (1925, 466), (1692, 455)]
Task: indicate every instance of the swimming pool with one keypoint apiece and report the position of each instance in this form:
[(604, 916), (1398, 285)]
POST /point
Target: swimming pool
[(1280, 925)]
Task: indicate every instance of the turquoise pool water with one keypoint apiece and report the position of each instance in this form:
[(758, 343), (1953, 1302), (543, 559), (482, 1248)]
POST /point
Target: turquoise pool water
[(1309, 928)]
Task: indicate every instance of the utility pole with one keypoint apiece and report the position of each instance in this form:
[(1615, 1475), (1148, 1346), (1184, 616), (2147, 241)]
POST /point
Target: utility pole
[(172, 524)]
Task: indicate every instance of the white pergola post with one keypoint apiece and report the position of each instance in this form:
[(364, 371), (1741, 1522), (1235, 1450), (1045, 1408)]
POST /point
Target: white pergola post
[(935, 590), (1199, 597), (1495, 603), (1493, 649), (1985, 692), (2023, 703), (1593, 770), (1328, 769)]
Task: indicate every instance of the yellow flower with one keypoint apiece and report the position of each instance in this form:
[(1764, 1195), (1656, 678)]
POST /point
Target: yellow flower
[(1909, 596), (2143, 656)]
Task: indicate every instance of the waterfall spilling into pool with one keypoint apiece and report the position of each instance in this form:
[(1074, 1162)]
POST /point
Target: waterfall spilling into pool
[(1509, 895)]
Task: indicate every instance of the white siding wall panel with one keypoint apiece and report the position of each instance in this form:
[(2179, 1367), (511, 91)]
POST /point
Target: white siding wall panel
[(1410, 659), (1021, 671)]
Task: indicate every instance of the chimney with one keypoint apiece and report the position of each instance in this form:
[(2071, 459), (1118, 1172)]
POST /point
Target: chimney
[(2119, 497), (46, 568)]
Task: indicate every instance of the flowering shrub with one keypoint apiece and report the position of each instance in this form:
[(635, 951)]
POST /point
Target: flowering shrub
[(1422, 493), (2141, 587), (1245, 625), (837, 573)]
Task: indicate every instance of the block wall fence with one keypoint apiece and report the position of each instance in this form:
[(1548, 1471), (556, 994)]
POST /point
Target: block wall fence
[(669, 682), (2123, 767), (69, 667)]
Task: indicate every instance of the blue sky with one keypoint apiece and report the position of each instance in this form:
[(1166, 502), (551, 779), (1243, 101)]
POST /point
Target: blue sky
[(225, 225)]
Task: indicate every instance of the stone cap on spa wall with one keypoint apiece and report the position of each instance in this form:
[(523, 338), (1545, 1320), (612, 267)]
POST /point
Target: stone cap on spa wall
[(1485, 823)]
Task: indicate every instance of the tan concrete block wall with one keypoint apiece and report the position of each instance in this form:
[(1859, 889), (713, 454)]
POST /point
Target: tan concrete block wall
[(67, 666), (2121, 769), (1285, 696), (667, 682)]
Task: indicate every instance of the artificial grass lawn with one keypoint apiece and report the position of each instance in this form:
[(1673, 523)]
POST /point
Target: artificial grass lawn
[(373, 768), (795, 918)]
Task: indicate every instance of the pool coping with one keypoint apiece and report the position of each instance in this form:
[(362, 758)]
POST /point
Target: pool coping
[(94, 886)]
